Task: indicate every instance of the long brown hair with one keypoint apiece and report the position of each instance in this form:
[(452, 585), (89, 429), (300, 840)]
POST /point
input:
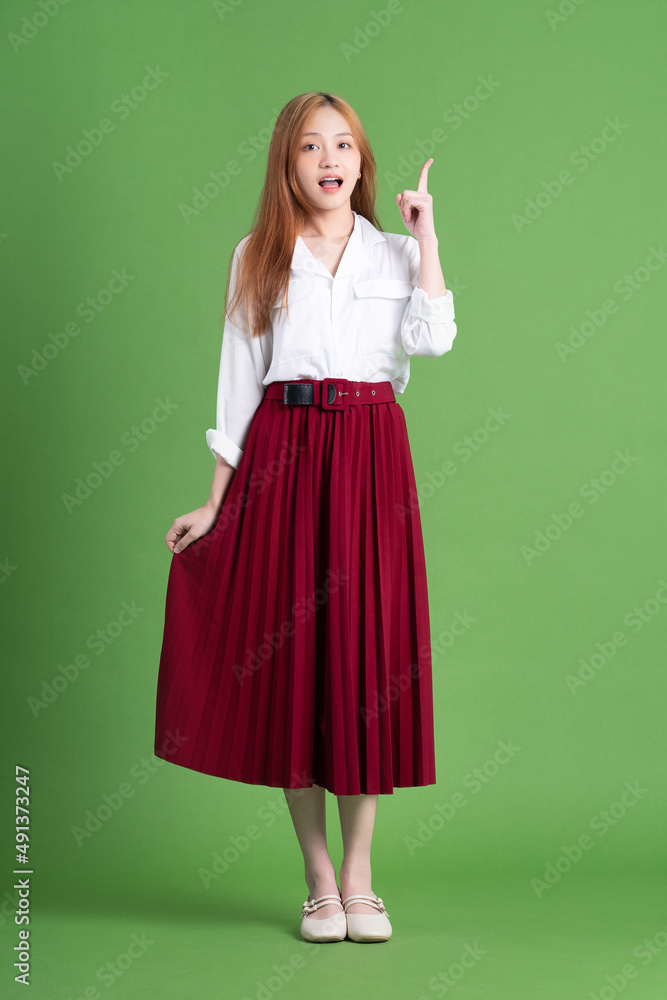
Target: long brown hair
[(264, 264)]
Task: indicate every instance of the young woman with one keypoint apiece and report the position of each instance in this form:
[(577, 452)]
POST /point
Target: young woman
[(296, 649)]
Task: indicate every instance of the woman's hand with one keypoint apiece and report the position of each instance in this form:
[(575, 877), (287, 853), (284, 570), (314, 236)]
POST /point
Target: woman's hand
[(188, 527), (416, 207)]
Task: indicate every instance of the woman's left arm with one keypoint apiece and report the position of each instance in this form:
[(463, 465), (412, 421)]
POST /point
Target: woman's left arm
[(428, 327), (416, 208)]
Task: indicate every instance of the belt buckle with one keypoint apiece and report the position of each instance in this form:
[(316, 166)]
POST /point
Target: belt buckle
[(334, 394)]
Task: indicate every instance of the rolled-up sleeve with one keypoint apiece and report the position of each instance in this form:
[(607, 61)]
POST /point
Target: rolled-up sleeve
[(428, 328), (240, 386)]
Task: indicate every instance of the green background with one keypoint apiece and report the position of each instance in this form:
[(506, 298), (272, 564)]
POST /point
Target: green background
[(520, 289)]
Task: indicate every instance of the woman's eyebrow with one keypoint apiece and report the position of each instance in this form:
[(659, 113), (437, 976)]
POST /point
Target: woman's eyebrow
[(304, 134)]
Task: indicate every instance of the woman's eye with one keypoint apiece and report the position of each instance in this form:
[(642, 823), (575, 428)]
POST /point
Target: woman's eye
[(308, 144)]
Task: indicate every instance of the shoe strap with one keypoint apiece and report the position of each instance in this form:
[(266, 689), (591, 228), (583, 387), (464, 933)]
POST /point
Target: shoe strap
[(372, 900), (315, 904)]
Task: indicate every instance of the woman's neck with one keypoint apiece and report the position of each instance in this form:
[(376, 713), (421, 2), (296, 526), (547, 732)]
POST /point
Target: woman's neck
[(332, 226)]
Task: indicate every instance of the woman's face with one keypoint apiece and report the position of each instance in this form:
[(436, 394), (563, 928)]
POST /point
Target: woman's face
[(328, 150)]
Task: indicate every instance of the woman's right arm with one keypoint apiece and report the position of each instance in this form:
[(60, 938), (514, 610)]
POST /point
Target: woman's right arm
[(244, 362), (188, 527), (222, 477)]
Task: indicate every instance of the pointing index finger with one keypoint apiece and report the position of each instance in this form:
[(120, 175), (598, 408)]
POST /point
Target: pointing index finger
[(421, 185)]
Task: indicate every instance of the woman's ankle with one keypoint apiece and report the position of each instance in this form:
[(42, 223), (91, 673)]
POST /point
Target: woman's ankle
[(321, 880), (356, 867), (355, 875)]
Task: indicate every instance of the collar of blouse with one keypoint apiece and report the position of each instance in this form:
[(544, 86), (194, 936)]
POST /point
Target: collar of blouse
[(355, 256)]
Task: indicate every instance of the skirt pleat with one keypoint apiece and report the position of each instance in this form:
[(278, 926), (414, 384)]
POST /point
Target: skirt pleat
[(296, 646)]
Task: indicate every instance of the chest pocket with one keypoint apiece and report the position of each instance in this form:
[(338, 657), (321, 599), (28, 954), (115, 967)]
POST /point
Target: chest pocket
[(296, 336), (381, 306)]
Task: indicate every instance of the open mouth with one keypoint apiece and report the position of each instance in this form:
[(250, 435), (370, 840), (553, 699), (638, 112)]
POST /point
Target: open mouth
[(330, 183)]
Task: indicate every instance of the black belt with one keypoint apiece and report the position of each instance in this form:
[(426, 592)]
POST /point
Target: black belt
[(330, 393)]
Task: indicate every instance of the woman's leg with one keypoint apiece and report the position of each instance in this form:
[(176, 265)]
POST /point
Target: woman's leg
[(308, 811), (357, 819)]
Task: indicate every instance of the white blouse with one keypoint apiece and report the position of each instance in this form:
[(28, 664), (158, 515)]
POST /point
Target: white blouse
[(361, 324)]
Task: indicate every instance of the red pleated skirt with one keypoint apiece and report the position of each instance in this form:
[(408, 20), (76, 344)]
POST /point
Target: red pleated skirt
[(296, 646)]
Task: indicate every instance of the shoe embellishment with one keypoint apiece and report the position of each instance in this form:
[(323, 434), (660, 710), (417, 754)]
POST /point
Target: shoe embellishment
[(311, 905), (373, 900)]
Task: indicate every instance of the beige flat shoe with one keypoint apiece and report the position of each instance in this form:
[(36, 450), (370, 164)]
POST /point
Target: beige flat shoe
[(332, 928), (366, 927)]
